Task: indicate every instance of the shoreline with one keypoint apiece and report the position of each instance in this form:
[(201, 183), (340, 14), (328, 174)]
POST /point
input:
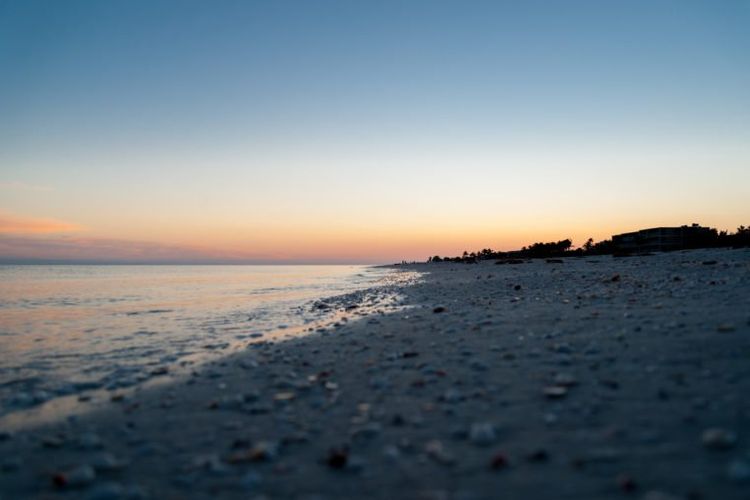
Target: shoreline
[(318, 314), (594, 378)]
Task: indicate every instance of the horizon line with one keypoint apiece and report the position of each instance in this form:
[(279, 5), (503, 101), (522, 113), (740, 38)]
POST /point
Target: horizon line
[(169, 262)]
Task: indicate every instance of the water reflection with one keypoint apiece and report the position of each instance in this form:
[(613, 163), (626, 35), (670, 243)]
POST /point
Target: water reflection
[(69, 329)]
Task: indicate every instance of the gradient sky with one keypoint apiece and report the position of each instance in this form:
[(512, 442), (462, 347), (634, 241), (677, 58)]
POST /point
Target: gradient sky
[(353, 131)]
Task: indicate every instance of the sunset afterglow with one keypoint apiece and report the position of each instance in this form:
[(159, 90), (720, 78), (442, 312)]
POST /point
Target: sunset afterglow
[(250, 132)]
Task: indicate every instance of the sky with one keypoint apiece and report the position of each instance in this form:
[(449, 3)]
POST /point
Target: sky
[(364, 131)]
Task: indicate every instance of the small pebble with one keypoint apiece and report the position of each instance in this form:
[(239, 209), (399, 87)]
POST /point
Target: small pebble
[(482, 434), (436, 451), (718, 439), (338, 458), (284, 396), (555, 391), (209, 463), (75, 478), (565, 380), (262, 451), (452, 396)]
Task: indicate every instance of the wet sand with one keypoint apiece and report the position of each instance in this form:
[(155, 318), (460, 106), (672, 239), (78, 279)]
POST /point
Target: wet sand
[(590, 378)]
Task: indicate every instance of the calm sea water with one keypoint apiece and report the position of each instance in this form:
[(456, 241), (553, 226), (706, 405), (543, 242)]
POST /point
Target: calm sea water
[(68, 329)]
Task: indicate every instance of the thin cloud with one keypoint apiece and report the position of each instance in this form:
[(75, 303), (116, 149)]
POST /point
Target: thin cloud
[(19, 249), (22, 186), (17, 225), (95, 249)]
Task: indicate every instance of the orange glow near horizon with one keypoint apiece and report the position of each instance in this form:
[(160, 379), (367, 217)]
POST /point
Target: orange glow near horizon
[(402, 238), (11, 224), (375, 243)]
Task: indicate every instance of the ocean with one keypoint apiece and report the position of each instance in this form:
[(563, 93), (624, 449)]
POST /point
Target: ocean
[(67, 330)]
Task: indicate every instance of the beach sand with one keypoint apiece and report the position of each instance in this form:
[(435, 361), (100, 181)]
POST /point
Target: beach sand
[(592, 378)]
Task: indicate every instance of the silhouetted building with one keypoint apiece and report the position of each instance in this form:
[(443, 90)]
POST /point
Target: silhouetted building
[(661, 239)]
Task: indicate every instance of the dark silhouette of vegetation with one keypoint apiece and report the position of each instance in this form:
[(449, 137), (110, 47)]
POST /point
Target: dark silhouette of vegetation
[(710, 238), (545, 250), (738, 239)]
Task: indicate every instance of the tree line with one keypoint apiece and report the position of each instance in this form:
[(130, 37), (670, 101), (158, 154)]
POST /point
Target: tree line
[(564, 248)]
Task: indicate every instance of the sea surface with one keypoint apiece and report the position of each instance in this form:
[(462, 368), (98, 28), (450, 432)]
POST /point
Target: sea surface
[(65, 330)]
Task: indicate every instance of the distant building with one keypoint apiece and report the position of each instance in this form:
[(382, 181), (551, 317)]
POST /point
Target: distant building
[(662, 239)]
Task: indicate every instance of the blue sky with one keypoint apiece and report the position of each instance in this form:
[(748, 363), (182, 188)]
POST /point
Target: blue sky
[(370, 130)]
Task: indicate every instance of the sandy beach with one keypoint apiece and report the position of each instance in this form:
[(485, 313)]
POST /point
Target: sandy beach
[(589, 378)]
